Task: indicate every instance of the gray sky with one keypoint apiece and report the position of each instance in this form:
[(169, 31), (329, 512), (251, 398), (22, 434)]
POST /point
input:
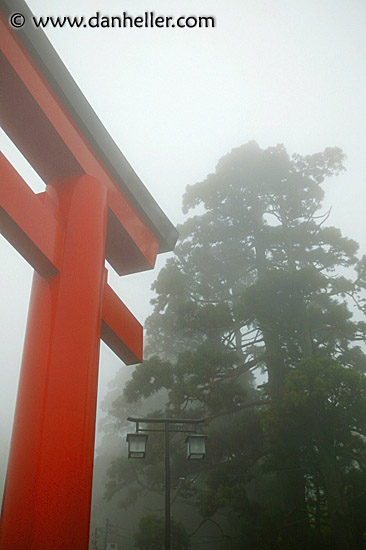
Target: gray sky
[(176, 100)]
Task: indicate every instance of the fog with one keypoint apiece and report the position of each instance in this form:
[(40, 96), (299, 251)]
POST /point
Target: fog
[(176, 100)]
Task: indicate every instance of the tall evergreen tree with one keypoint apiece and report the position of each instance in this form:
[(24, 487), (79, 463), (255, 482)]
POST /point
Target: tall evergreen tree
[(259, 281)]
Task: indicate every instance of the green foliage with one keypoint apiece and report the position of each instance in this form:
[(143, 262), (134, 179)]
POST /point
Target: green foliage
[(316, 430), (152, 375), (150, 534), (321, 412), (259, 283)]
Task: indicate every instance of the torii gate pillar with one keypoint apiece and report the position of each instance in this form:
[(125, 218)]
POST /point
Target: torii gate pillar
[(94, 208), (47, 495)]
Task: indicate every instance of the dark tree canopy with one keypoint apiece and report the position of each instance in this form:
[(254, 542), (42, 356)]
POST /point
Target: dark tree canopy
[(258, 325), (150, 534)]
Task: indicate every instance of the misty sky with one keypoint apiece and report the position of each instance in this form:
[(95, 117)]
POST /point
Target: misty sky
[(176, 100)]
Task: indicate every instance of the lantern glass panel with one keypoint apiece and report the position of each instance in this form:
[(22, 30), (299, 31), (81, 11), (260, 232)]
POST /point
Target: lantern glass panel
[(196, 447), (136, 445)]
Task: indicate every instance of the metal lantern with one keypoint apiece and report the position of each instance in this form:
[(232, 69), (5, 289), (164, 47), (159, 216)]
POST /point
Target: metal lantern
[(196, 446), (136, 445)]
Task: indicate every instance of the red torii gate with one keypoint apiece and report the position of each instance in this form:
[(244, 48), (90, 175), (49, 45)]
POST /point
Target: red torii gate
[(94, 207)]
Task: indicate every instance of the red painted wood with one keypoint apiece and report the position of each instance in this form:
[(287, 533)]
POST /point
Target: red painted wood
[(48, 489), (27, 223), (60, 150), (65, 233), (120, 329)]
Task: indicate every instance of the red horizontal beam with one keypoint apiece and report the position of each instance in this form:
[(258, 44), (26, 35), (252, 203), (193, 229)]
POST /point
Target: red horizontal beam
[(61, 150), (27, 223), (120, 329), (30, 226)]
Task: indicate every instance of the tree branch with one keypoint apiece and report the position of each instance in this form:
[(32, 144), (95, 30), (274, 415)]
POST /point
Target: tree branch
[(240, 370), (202, 522), (258, 403)]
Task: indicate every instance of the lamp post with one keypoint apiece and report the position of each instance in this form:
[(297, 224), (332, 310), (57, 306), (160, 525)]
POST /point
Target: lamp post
[(196, 449)]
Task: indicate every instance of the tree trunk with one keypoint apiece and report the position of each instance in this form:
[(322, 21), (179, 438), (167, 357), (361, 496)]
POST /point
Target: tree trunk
[(338, 519), (295, 530)]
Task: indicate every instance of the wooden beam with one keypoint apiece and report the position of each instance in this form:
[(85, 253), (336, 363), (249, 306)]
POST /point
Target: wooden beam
[(120, 329), (28, 224), (61, 150)]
